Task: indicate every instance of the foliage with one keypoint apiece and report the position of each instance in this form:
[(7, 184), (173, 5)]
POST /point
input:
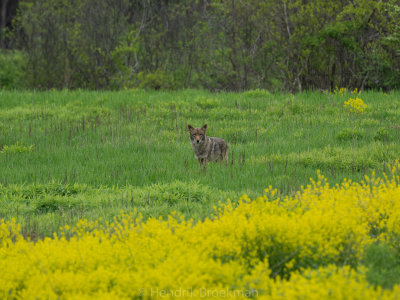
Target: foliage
[(43, 208), (13, 70), (383, 265), (356, 105), (207, 103), (313, 240), (329, 283), (16, 149), (157, 80), (110, 202), (97, 153), (257, 93), (382, 134), (350, 134), (217, 45), (70, 44)]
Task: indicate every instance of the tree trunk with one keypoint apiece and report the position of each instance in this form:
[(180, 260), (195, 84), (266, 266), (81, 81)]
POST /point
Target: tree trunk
[(3, 22)]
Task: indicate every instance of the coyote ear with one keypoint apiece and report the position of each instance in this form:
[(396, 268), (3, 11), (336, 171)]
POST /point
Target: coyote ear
[(190, 127), (204, 127)]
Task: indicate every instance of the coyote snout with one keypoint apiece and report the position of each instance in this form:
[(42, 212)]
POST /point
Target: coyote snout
[(207, 148)]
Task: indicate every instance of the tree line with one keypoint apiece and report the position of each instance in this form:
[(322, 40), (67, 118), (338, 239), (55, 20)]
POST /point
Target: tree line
[(289, 45)]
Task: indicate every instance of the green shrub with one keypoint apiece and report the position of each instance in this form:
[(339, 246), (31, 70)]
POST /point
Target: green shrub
[(257, 93), (17, 148), (383, 266), (206, 103), (32, 191), (382, 135), (50, 204), (156, 80), (349, 134), (177, 191), (12, 70)]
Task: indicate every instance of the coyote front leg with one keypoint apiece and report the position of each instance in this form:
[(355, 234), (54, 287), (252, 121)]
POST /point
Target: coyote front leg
[(203, 162)]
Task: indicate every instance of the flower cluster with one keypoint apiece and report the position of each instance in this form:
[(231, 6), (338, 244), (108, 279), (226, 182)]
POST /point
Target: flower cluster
[(343, 91), (356, 105), (340, 91), (270, 247), (329, 282)]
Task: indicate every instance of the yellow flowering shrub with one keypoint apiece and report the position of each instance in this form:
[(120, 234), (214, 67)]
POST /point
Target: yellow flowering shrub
[(356, 105), (340, 91), (329, 283), (343, 91), (278, 248)]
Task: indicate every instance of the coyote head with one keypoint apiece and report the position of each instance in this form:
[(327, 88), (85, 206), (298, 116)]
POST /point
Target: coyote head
[(197, 135)]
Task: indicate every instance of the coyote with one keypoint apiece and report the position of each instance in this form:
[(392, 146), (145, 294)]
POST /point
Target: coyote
[(207, 148)]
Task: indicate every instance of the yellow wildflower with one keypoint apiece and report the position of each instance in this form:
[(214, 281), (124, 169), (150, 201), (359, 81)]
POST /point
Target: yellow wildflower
[(356, 105)]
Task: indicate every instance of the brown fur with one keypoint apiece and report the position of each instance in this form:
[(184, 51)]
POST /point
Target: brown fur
[(207, 148)]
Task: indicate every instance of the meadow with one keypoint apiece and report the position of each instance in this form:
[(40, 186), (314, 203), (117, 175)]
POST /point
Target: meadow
[(84, 157)]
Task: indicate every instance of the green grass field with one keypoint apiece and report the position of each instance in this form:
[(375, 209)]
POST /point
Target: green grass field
[(68, 155)]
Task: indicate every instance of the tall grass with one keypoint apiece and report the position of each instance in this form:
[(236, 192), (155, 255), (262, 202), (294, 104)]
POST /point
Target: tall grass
[(118, 146)]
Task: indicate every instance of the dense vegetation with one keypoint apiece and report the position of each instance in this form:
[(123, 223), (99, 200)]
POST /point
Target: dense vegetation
[(327, 242), (101, 196), (71, 155), (289, 45), (72, 161)]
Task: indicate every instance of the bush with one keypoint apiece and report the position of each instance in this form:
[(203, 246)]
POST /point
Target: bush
[(177, 191), (349, 134), (383, 266), (310, 243), (12, 71), (17, 148), (257, 93), (382, 135), (156, 80)]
